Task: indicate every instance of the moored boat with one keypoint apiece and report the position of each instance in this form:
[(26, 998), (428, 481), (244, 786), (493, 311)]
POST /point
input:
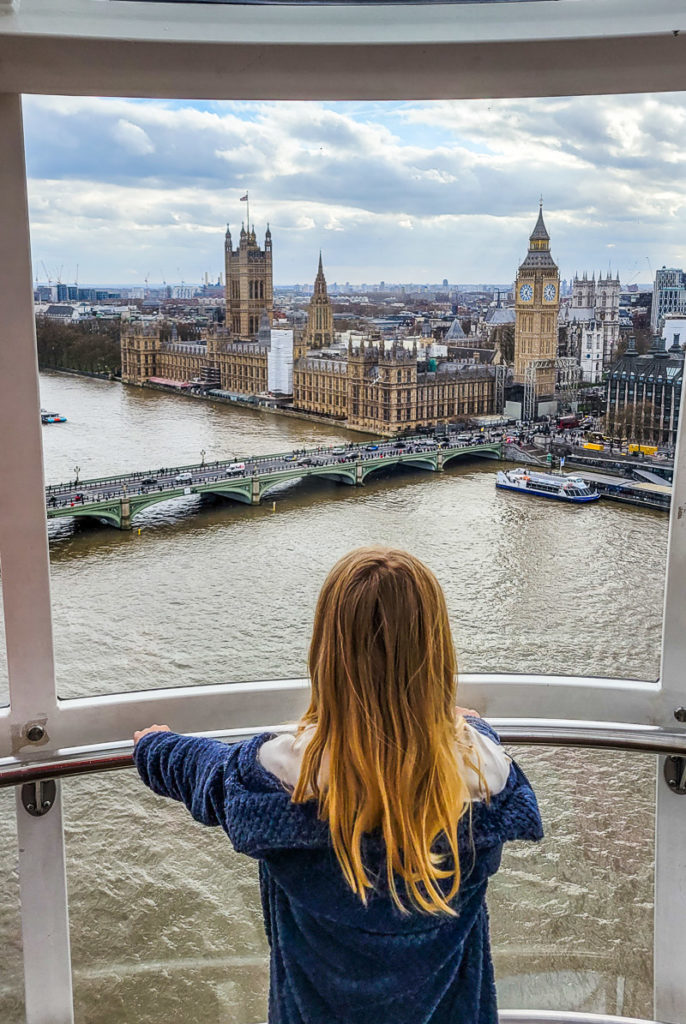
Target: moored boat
[(546, 485)]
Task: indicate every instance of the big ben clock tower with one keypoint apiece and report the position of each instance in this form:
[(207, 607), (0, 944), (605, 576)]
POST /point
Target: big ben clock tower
[(537, 304)]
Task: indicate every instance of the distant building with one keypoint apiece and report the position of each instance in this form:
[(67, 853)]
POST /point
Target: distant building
[(537, 303), (373, 386), (674, 331), (249, 284), (644, 393), (64, 313), (319, 331), (595, 306), (669, 295)]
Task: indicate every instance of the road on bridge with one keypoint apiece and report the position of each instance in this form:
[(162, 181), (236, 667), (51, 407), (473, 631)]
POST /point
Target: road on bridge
[(81, 493)]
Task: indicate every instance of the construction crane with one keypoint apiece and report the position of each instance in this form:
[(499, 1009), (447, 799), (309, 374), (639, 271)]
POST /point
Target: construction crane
[(638, 271), (47, 275)]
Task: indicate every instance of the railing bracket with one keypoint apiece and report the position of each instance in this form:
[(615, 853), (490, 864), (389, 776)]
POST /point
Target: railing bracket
[(675, 774), (38, 797)]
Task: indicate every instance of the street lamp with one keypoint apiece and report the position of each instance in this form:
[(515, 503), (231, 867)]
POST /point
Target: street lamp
[(77, 470), (202, 456)]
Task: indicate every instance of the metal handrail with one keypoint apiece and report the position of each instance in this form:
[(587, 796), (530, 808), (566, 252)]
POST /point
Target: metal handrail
[(105, 757)]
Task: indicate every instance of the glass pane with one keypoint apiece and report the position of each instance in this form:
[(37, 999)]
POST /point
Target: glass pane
[(12, 973), (210, 589), (572, 919), (320, 3), (165, 917), (4, 679), (230, 595)]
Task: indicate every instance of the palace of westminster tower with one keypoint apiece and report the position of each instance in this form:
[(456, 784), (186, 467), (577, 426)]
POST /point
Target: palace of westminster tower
[(249, 287), (381, 386), (537, 305)]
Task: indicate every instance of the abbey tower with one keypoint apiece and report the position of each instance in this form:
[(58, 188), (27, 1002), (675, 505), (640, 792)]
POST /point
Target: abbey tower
[(537, 304)]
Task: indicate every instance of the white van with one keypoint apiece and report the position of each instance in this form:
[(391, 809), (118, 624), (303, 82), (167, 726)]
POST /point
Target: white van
[(236, 467), (184, 478)]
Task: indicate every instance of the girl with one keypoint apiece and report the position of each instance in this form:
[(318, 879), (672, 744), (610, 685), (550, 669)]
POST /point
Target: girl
[(377, 822)]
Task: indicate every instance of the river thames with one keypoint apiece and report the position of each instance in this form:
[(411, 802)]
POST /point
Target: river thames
[(165, 917)]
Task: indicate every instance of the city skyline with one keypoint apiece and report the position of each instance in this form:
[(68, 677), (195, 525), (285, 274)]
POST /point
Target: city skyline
[(401, 192)]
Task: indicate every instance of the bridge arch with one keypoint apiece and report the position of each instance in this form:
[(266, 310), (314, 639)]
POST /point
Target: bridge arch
[(426, 462), (343, 473), (239, 490), (480, 451)]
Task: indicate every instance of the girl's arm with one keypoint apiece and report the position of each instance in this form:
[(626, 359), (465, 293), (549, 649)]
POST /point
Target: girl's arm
[(190, 769)]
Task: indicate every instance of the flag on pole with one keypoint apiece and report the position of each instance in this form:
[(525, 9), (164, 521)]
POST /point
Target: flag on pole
[(562, 462), (244, 198)]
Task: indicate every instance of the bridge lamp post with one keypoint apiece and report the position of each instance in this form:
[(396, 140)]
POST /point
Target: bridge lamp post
[(203, 453), (77, 470)]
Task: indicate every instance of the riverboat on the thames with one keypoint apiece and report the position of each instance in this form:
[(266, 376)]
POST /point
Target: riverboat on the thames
[(51, 417), (546, 485)]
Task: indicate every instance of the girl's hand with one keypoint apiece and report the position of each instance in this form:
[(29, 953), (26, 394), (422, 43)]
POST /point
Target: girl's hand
[(467, 711), (151, 728)]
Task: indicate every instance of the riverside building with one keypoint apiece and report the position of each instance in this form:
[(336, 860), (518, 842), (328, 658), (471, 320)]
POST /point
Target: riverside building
[(644, 393), (372, 385)]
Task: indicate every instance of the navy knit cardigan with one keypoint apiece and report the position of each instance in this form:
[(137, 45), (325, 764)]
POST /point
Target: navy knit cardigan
[(333, 959)]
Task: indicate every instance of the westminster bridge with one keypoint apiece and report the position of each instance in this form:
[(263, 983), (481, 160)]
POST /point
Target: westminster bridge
[(117, 500)]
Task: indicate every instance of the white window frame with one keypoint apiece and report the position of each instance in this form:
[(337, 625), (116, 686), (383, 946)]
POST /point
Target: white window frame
[(108, 47)]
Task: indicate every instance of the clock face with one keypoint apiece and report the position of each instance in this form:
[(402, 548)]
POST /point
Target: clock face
[(526, 293), (549, 293)]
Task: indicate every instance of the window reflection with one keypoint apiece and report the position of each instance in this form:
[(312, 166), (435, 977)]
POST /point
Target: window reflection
[(4, 681), (165, 916), (573, 924), (12, 972)]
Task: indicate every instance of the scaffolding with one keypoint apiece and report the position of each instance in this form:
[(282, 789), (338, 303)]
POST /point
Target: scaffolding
[(568, 373), (500, 380)]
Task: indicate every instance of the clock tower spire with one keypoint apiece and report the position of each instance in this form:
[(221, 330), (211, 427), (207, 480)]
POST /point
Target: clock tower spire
[(537, 304)]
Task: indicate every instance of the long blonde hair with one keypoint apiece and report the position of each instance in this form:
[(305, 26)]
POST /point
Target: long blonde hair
[(387, 751)]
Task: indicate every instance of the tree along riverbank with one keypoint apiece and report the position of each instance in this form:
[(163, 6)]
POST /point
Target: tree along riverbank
[(90, 347)]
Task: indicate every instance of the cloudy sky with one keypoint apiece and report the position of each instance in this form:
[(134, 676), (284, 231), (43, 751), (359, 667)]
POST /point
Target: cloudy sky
[(129, 189)]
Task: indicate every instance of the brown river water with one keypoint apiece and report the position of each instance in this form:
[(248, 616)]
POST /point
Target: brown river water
[(165, 918)]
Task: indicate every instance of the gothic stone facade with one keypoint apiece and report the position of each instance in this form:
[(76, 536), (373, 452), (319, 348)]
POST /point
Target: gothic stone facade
[(537, 304), (597, 299), (249, 284), (241, 366), (376, 387)]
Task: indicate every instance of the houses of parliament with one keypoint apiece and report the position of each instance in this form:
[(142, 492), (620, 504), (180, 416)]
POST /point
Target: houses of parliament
[(372, 385)]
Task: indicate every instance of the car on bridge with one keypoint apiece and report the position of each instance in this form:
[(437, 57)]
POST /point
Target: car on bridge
[(371, 447), (184, 478), (147, 480)]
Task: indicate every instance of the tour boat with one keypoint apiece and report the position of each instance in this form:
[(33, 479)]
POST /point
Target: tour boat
[(51, 417), (546, 485)]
